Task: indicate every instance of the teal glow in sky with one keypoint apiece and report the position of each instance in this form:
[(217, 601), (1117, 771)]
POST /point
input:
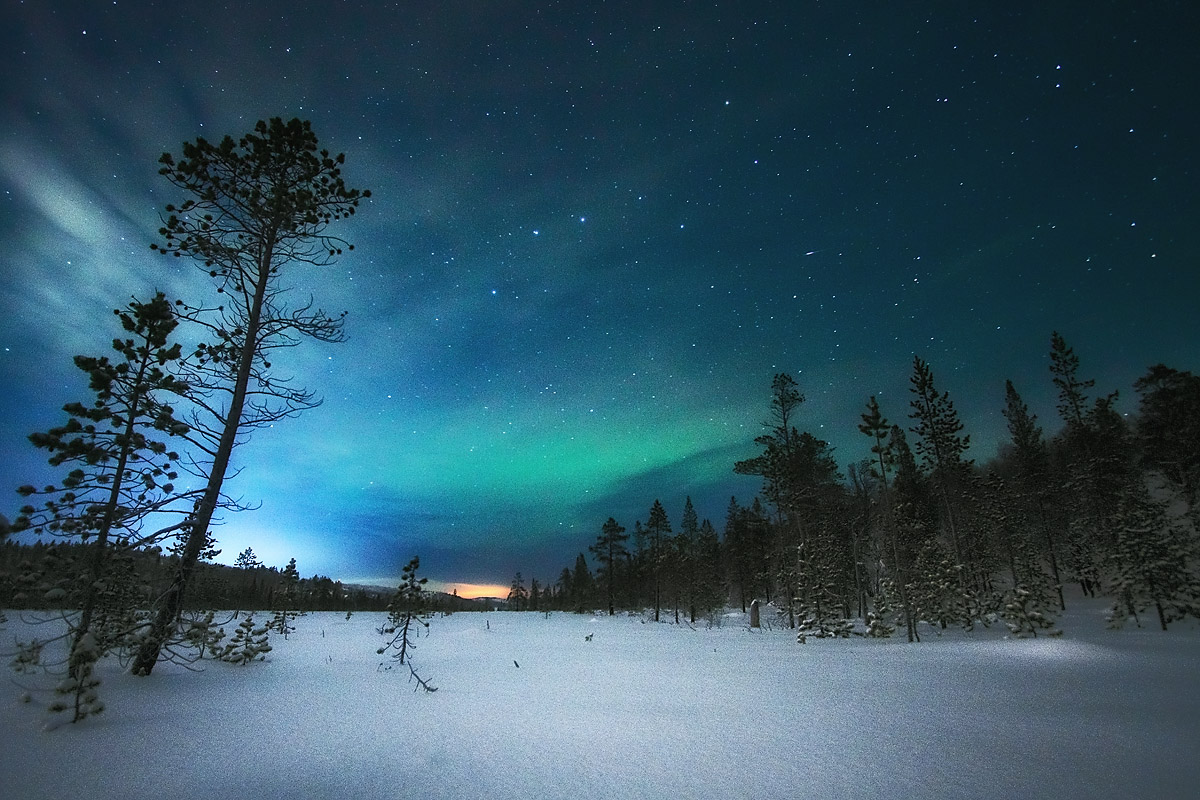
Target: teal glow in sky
[(597, 231)]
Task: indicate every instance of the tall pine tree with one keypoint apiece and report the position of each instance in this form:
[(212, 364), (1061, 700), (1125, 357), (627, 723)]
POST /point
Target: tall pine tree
[(254, 207), (609, 549)]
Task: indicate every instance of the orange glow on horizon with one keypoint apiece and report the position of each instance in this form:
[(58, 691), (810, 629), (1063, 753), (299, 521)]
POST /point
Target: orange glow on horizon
[(470, 591)]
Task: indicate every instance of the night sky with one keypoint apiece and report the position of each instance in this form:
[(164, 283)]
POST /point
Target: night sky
[(597, 231)]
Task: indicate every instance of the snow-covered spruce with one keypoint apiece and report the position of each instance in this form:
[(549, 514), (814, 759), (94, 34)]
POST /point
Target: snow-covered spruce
[(205, 636), (77, 691), (1022, 614), (248, 643)]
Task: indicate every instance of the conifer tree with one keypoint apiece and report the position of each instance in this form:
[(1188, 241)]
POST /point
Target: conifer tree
[(518, 595), (285, 600), (737, 550), (1100, 467), (1072, 397), (1023, 615), (116, 602), (942, 446), (1026, 605), (122, 474), (800, 478), (1033, 470), (581, 585), (658, 528), (936, 590), (884, 449), (247, 560), (249, 642), (761, 535), (862, 525), (77, 691), (710, 593), (250, 563), (609, 548), (1168, 428), (255, 207), (686, 559), (204, 635), (409, 607), (879, 620), (565, 584), (1153, 563)]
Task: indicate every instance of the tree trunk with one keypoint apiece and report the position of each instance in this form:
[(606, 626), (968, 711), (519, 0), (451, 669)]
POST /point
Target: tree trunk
[(171, 603)]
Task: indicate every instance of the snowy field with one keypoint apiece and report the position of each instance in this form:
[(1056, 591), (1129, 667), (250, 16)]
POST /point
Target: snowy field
[(642, 710)]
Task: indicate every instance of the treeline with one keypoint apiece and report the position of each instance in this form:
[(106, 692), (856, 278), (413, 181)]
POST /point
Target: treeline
[(49, 575), (920, 534)]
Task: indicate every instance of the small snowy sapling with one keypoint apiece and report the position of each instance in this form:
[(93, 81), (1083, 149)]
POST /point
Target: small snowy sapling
[(407, 607)]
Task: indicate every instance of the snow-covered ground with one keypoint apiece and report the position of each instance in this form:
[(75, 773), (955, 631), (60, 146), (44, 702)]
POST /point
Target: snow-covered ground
[(642, 710)]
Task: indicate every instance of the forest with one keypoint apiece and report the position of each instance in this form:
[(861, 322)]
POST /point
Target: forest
[(921, 535)]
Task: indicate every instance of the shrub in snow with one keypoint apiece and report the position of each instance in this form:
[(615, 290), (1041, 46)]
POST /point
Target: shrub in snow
[(823, 627), (880, 619), (281, 622), (28, 658), (248, 643), (77, 691), (1023, 615), (204, 635)]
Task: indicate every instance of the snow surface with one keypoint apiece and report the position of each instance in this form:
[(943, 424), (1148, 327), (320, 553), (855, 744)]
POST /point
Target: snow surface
[(643, 710)]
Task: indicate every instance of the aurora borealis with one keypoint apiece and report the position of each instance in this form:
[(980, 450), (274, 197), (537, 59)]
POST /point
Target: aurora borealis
[(598, 230)]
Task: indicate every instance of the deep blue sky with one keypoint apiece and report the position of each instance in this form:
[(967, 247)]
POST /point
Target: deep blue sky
[(599, 229)]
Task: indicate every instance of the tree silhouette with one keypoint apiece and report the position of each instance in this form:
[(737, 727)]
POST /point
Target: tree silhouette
[(609, 547), (255, 207)]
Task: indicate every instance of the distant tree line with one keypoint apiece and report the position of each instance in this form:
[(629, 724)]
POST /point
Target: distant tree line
[(918, 534), (47, 576)]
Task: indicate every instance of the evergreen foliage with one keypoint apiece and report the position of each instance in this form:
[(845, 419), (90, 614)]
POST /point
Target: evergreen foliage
[(518, 595), (889, 449), (204, 635), (285, 601), (407, 609), (609, 549), (942, 446), (1168, 428), (1153, 563), (658, 529), (582, 586), (249, 642), (709, 593), (77, 691), (1072, 397), (1032, 492), (122, 473), (880, 619), (1023, 616)]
